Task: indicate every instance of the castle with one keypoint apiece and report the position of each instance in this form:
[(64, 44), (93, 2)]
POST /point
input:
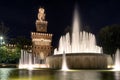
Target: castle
[(41, 40)]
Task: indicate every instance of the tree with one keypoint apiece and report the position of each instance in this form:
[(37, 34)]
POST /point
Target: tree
[(109, 38), (9, 57)]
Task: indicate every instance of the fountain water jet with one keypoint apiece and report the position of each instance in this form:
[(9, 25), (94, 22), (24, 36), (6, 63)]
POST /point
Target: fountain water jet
[(25, 60), (64, 63), (117, 60), (28, 61)]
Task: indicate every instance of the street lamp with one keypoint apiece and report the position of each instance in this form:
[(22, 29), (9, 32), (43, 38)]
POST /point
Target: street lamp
[(1, 37), (1, 40)]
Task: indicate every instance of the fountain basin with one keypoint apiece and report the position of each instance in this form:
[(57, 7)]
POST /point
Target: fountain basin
[(79, 61)]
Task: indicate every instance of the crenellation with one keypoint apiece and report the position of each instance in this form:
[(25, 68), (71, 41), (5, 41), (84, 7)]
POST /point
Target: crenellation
[(42, 34)]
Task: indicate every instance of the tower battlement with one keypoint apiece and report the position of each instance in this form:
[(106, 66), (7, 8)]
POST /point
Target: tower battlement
[(42, 34)]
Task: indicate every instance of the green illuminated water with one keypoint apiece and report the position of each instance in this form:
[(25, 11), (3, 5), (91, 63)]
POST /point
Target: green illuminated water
[(46, 74)]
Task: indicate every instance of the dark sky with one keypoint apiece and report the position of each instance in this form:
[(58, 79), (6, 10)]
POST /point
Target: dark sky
[(20, 15)]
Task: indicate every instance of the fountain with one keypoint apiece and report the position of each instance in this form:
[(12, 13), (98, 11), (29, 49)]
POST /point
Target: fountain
[(80, 49), (82, 42), (117, 60), (28, 61), (64, 64)]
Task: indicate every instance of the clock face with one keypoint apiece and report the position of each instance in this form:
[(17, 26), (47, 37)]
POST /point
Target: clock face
[(42, 27)]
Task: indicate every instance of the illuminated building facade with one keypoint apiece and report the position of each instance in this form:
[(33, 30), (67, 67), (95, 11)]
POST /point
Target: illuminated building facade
[(41, 40)]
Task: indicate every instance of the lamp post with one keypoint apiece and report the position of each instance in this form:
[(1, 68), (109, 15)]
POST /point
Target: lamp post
[(1, 40)]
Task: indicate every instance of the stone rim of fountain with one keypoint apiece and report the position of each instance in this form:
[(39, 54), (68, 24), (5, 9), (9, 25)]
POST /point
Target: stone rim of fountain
[(80, 54)]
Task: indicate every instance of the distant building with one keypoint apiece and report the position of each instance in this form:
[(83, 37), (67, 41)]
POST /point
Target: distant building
[(41, 40), (12, 47)]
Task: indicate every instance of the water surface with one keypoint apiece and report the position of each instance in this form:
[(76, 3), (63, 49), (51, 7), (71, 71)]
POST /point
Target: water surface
[(47, 74)]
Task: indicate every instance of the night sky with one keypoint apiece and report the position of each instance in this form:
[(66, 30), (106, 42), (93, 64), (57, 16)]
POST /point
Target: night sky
[(20, 15)]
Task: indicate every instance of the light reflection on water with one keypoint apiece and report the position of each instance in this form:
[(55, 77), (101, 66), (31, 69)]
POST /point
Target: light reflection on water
[(84, 75), (16, 74), (117, 75), (4, 73), (23, 74)]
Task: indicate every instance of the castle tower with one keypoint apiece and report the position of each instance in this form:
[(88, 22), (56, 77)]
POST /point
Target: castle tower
[(41, 40)]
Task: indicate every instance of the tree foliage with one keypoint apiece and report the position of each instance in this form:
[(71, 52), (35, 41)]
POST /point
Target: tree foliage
[(109, 38), (11, 57)]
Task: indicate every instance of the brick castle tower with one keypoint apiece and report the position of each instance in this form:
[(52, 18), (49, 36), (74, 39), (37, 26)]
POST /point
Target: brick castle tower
[(41, 40)]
